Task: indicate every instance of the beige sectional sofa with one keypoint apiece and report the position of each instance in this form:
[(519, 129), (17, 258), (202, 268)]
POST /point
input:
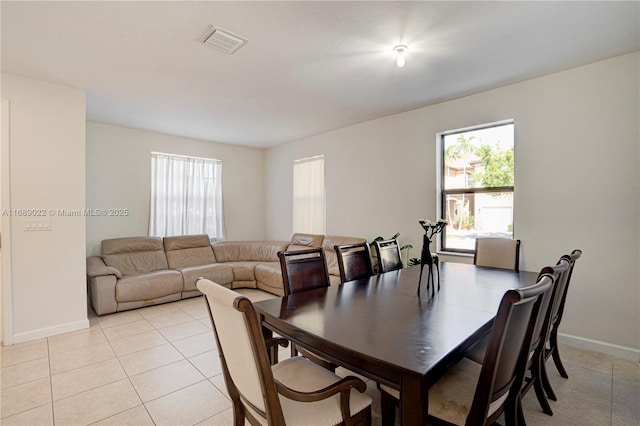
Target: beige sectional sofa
[(133, 272)]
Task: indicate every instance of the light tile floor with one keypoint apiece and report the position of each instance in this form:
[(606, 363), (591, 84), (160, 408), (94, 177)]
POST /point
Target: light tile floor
[(159, 365)]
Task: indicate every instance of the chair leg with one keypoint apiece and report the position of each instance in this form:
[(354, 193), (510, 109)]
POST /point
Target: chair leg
[(546, 384), (512, 411), (366, 421), (520, 413), (388, 409), (238, 415), (538, 387), (555, 353), (294, 351)]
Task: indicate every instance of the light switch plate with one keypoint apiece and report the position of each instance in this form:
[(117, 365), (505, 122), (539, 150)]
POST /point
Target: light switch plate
[(37, 225)]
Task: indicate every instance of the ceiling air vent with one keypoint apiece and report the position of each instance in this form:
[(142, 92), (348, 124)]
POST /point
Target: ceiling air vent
[(223, 40)]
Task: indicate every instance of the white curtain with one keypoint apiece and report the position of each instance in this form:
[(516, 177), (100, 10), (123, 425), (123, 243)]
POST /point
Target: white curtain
[(309, 201), (186, 196)]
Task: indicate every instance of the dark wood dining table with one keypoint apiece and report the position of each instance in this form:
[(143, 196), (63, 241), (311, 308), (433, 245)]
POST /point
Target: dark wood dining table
[(379, 328)]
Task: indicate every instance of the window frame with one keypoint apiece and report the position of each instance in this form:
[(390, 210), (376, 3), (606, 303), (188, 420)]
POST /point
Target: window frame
[(441, 203), (309, 199)]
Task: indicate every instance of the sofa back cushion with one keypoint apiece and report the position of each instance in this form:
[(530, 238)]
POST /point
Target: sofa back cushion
[(134, 255), (331, 240), (188, 250), (248, 251), (307, 240), (301, 241)]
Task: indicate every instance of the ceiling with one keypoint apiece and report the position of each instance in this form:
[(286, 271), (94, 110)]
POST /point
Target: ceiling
[(309, 67)]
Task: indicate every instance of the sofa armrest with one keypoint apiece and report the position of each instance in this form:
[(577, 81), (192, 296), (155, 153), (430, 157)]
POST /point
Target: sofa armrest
[(102, 292), (96, 268)]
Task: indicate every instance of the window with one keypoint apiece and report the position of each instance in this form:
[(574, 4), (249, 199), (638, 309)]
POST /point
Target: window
[(186, 196), (309, 195), (476, 184)]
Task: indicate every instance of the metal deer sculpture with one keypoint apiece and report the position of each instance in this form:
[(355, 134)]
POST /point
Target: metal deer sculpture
[(426, 258)]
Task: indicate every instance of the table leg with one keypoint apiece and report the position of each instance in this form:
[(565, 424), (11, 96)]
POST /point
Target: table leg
[(414, 401), (272, 347)]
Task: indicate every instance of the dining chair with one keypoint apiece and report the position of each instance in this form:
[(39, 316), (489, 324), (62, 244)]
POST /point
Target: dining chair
[(388, 254), (453, 399), (501, 253), (354, 261), (557, 310), (294, 391), (304, 270), (536, 374)]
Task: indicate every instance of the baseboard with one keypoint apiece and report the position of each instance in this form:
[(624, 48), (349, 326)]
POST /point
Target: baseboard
[(50, 331), (617, 351)]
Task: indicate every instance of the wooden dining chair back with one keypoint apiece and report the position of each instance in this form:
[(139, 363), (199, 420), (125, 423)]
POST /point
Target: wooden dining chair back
[(242, 351), (354, 261), (262, 394), (505, 360), (303, 270), (557, 309), (536, 372), (388, 254), (499, 378), (501, 253)]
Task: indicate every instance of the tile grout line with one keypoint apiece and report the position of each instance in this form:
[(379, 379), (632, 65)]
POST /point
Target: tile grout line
[(30, 381), (206, 379), (185, 358), (92, 364), (128, 379), (53, 411), (75, 349), (46, 342), (611, 396), (217, 350)]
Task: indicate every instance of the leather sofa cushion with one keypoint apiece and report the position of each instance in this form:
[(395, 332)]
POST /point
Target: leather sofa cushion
[(147, 286), (134, 255), (297, 247), (270, 274), (188, 250), (248, 251), (220, 273), (308, 240), (243, 271), (244, 284), (332, 259)]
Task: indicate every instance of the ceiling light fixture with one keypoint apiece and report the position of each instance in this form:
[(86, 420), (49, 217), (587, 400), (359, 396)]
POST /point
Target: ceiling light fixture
[(400, 51)]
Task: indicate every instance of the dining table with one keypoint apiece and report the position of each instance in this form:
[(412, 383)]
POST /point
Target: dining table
[(380, 328)]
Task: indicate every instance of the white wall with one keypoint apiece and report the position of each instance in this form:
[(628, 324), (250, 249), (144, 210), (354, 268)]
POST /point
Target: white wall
[(577, 160), (119, 176), (47, 167)]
